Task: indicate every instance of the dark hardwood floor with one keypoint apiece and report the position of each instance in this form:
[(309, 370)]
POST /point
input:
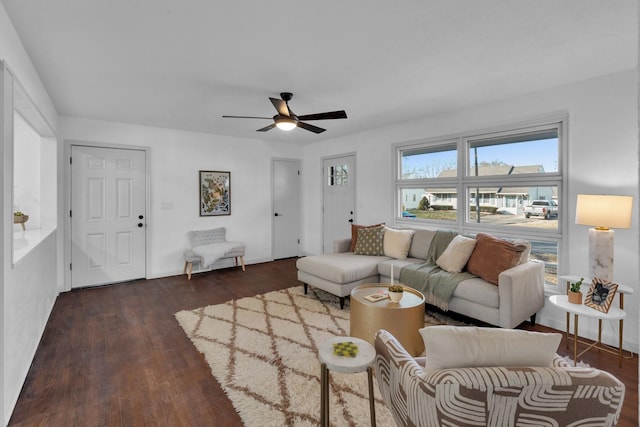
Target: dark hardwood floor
[(115, 355)]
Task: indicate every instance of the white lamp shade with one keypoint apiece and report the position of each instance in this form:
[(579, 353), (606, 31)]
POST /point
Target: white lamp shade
[(604, 211)]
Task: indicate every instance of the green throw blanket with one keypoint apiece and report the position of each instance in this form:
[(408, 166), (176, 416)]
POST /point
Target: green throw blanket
[(436, 284)]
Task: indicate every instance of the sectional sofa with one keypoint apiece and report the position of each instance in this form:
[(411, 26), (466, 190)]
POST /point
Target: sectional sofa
[(512, 292)]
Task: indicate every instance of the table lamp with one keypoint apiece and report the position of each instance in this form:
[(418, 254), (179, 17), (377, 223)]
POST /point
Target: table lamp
[(604, 213)]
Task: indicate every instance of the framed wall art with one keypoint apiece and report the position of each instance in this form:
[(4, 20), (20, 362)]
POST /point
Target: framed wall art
[(600, 295), (215, 193)]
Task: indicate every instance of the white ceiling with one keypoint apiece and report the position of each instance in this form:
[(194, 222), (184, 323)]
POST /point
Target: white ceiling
[(184, 64)]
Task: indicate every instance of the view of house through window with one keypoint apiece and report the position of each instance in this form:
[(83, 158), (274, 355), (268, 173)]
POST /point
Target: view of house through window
[(509, 185)]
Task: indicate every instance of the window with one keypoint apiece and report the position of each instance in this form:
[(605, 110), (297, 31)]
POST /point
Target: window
[(508, 183), (34, 196), (428, 162), (337, 175)]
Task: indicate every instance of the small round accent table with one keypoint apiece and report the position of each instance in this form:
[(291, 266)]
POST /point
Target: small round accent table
[(402, 319), (346, 365), (615, 313)]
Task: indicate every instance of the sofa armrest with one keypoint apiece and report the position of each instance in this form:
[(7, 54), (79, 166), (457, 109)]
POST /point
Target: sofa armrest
[(341, 245), (521, 293)]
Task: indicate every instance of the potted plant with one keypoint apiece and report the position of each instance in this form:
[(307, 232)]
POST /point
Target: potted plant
[(395, 293), (20, 218), (575, 296)]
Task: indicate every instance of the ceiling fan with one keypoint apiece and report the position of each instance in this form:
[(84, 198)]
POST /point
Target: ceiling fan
[(287, 120)]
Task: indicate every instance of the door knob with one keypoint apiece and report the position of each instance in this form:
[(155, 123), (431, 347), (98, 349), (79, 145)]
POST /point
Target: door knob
[(351, 220), (139, 224), (276, 214), (140, 217)]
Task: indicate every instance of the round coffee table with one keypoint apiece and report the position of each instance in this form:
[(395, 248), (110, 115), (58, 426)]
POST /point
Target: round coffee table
[(402, 319)]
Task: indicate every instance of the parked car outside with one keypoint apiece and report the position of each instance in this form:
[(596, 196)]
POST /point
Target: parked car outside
[(545, 208)]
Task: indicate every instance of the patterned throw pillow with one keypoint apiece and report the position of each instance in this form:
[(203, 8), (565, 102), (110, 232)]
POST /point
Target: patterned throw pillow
[(370, 241), (354, 233)]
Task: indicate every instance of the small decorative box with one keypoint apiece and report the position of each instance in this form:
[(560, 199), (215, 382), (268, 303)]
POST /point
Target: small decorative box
[(347, 349)]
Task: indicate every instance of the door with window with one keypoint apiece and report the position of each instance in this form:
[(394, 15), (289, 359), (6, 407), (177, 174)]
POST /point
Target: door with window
[(108, 218), (339, 199)]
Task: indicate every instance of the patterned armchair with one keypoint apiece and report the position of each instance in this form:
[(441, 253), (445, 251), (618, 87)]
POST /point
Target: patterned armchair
[(506, 396)]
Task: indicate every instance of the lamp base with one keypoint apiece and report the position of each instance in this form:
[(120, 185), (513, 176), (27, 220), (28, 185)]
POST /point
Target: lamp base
[(601, 253)]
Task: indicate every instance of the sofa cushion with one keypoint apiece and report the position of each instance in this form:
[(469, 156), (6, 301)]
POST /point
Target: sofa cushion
[(384, 268), (396, 242), (456, 255), (492, 256), (370, 241), (479, 291), (354, 233), (470, 346), (420, 243), (340, 268)]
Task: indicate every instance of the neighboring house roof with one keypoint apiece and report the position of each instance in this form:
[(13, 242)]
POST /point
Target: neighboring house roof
[(489, 170)]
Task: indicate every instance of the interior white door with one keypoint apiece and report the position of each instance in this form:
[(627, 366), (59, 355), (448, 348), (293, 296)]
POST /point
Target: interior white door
[(108, 218), (286, 208), (339, 199)]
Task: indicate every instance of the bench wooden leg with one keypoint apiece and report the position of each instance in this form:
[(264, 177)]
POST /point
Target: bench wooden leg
[(189, 270), (184, 270), (242, 261)]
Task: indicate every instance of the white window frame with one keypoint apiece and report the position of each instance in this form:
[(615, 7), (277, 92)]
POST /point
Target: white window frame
[(462, 182)]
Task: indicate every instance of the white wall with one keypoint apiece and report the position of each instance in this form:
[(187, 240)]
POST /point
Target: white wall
[(30, 287), (175, 159), (603, 158)]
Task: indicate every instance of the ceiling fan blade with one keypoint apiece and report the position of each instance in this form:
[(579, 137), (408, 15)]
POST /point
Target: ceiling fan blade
[(246, 117), (341, 114), (281, 106), (312, 128), (266, 128)]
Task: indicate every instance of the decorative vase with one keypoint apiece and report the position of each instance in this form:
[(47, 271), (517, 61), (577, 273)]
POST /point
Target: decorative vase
[(575, 297), (395, 296)]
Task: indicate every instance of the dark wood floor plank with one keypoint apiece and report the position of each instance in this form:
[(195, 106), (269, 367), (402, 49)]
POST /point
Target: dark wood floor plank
[(115, 355)]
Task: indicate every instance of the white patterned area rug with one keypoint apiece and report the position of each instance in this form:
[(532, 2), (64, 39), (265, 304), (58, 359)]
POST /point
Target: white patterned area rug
[(263, 351)]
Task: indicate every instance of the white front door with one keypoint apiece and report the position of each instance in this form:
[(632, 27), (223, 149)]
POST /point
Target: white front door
[(108, 218), (286, 208), (339, 199)]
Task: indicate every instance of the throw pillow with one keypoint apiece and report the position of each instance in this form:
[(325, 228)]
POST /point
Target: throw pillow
[(465, 347), (456, 255), (492, 256), (370, 241), (396, 242), (354, 233)]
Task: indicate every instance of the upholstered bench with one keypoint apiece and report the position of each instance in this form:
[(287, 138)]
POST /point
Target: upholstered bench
[(210, 245)]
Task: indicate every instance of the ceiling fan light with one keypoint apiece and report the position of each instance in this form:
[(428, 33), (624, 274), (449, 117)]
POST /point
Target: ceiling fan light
[(285, 124)]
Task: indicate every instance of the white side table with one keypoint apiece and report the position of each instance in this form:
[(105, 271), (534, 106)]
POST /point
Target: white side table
[(615, 313), (346, 365), (621, 291)]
